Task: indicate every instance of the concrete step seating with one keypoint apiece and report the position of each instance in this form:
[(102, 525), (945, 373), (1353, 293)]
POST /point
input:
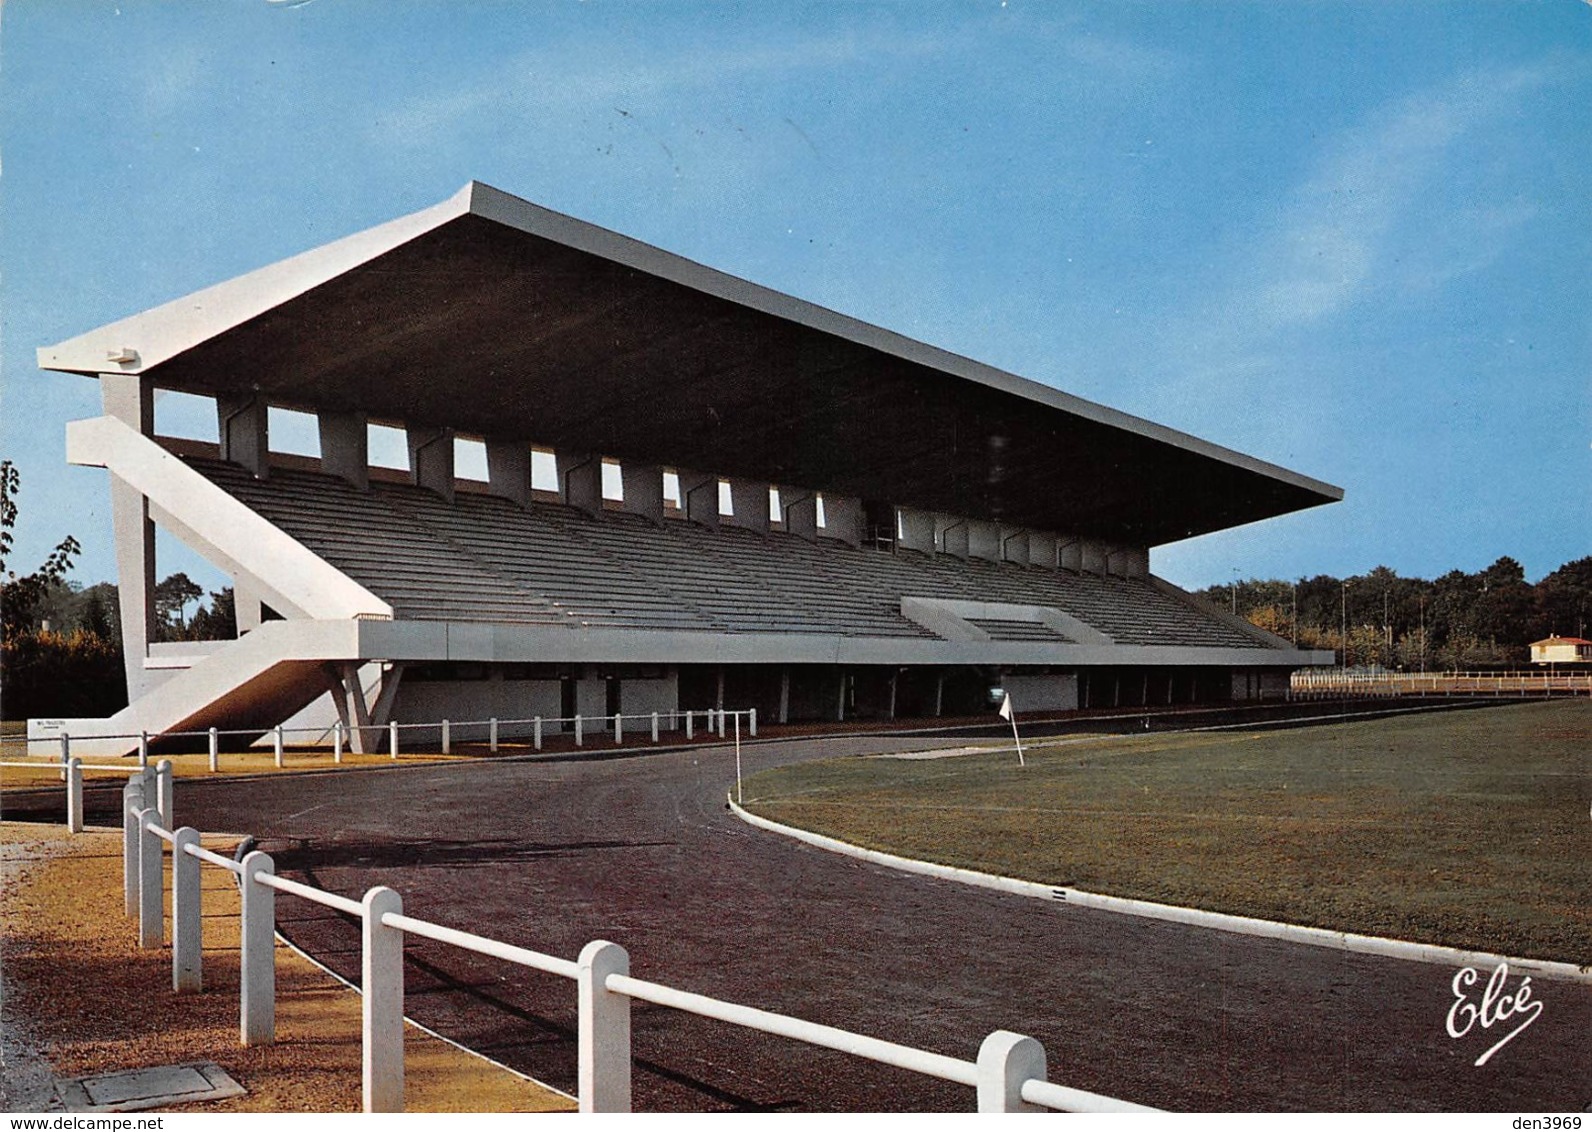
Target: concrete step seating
[(483, 558)]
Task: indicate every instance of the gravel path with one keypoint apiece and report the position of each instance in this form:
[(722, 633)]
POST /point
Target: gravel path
[(640, 850)]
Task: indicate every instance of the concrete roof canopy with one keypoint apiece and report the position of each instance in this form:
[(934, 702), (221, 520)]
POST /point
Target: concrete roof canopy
[(496, 317)]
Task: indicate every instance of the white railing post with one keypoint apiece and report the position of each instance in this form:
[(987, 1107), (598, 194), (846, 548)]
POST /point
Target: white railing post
[(66, 753), (74, 795), (215, 750), (186, 940), (382, 1001), (132, 802), (151, 882), (604, 1038), (447, 738), (721, 723), (143, 748), (689, 728), (491, 734), (738, 799), (163, 791), (751, 721), (257, 976), (654, 727), (337, 741), (392, 743), (536, 733), (578, 726), (1005, 1061), (619, 729)]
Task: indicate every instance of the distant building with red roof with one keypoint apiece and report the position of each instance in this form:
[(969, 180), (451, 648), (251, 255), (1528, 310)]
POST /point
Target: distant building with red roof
[(1560, 650)]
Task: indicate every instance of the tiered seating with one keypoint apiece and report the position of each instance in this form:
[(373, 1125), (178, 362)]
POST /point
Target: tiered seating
[(404, 563), (1000, 630), (482, 558)]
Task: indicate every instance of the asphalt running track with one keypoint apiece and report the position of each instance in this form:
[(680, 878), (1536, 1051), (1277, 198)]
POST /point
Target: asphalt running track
[(641, 850)]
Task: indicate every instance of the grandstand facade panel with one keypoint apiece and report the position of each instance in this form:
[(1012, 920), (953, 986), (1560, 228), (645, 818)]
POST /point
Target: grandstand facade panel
[(697, 493)]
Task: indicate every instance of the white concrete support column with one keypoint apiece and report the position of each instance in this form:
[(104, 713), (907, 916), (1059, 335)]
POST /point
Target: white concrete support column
[(1042, 549), (1005, 1061), (799, 512), (579, 734), (843, 519), (382, 1003), (642, 486), (619, 729), (983, 540), (951, 535), (1015, 543), (151, 882), (243, 425), (353, 694), (74, 795), (132, 804), (164, 792), (431, 459), (257, 976), (213, 744), (580, 480), (840, 699), (1069, 554), (939, 694), (247, 608), (186, 914), (130, 399), (1093, 557), (604, 1030), (508, 469), (749, 502), (345, 446), (276, 744), (699, 498), (915, 529)]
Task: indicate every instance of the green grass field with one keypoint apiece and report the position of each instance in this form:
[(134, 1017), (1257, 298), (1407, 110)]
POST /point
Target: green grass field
[(1467, 828)]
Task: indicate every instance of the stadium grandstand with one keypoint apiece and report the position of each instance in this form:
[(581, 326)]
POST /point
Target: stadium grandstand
[(687, 491)]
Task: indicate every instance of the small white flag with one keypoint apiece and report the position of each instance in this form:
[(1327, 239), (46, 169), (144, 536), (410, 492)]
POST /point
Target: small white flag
[(1006, 706)]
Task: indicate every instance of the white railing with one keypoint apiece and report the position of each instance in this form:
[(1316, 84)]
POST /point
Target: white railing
[(74, 770), (1008, 1074), (713, 721), (1336, 682)]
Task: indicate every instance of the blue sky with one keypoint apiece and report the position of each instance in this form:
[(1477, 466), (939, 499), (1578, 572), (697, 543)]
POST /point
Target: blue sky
[(1350, 238)]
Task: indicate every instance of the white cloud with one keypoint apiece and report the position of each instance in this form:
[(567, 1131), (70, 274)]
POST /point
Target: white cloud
[(1330, 242), (553, 79)]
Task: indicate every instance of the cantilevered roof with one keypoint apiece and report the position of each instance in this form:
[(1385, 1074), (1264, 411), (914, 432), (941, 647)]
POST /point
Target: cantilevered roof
[(496, 317)]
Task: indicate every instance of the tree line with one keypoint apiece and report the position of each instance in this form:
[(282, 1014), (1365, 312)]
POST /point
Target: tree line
[(1456, 621), (61, 642)]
